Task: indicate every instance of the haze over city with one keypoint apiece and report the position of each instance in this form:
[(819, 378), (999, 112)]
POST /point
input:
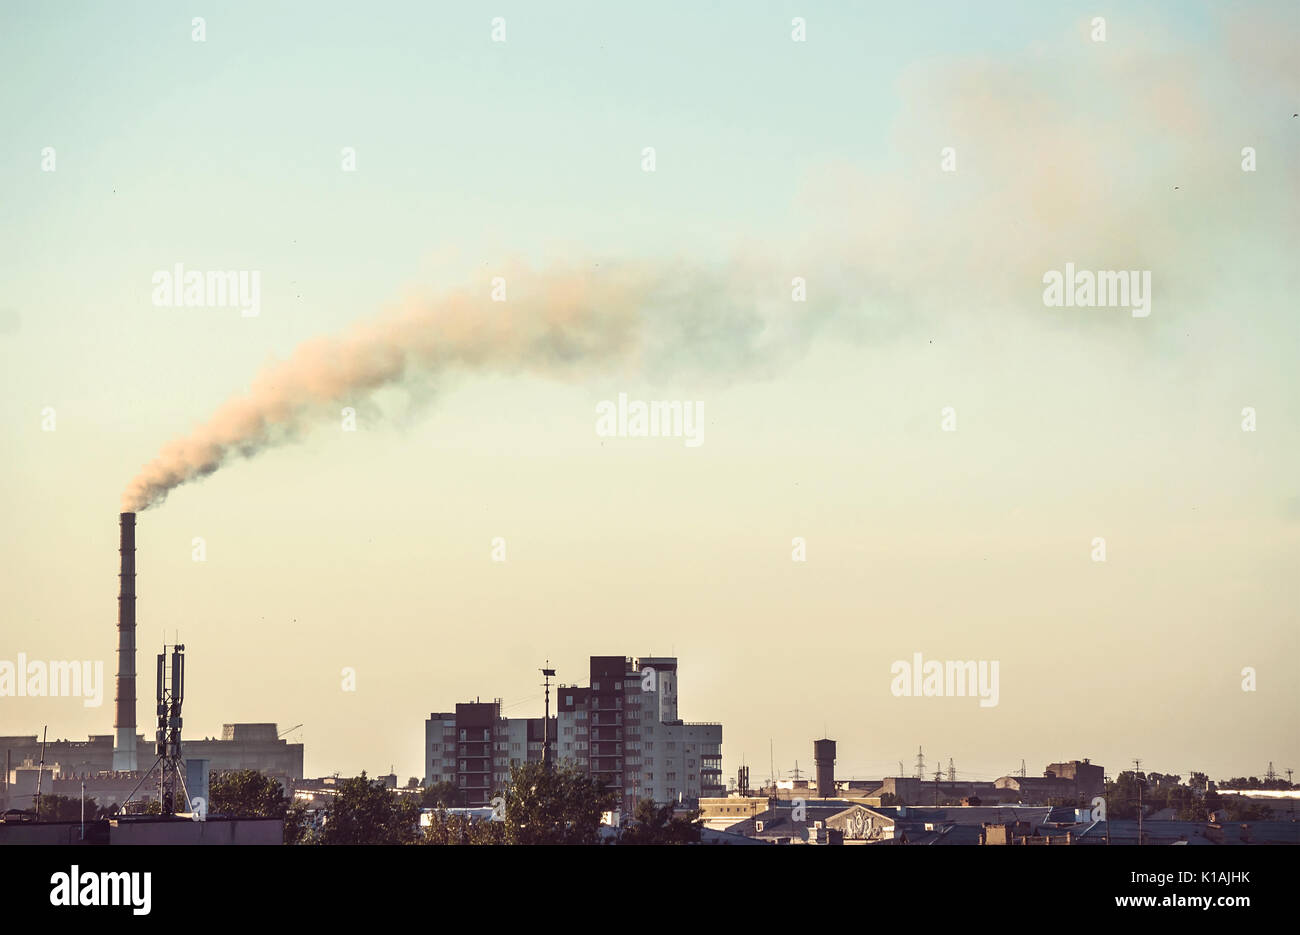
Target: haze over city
[(823, 420)]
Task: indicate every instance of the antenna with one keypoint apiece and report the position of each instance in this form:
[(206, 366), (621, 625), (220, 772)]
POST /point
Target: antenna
[(172, 793), (547, 674), (40, 773)]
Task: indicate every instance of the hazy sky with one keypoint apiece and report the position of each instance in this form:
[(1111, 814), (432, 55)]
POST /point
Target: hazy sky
[(775, 159)]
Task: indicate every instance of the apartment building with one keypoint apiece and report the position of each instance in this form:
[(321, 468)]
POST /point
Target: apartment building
[(622, 728), (474, 748)]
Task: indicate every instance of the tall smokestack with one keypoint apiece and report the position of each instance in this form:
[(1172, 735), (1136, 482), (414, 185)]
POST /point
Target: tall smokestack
[(124, 754)]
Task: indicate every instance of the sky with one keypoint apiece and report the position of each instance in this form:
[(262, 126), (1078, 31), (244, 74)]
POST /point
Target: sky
[(372, 550)]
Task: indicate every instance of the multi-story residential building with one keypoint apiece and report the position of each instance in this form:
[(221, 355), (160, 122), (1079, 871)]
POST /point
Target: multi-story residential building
[(622, 728), (474, 748)]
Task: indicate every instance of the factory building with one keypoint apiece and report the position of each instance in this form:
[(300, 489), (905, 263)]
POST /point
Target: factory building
[(68, 762)]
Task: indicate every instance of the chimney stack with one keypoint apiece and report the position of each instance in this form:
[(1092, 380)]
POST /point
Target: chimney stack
[(124, 752)]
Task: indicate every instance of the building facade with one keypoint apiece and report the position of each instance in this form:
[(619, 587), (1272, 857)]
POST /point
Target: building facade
[(241, 746), (475, 747), (622, 728)]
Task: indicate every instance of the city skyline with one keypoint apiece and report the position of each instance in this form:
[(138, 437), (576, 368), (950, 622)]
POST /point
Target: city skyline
[(898, 435)]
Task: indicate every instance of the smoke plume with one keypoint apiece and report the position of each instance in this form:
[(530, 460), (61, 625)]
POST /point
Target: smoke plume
[(561, 323)]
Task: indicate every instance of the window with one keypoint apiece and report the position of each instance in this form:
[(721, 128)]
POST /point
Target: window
[(568, 699), (462, 734)]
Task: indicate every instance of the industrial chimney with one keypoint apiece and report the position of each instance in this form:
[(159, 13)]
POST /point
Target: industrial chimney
[(124, 753), (824, 758)]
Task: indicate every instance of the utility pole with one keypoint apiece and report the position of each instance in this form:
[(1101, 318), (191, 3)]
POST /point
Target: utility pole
[(1270, 775), (920, 764), (1140, 785), (952, 771), (40, 773), (1023, 771), (938, 774)]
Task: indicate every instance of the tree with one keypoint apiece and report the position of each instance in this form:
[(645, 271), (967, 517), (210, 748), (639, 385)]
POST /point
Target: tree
[(445, 828), (440, 794), (296, 828), (654, 824), (1124, 794), (366, 812), (67, 808), (554, 806), (246, 793)]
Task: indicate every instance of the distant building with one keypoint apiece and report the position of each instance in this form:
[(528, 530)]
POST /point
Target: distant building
[(475, 747), (249, 746), (68, 762), (1088, 778), (622, 728)]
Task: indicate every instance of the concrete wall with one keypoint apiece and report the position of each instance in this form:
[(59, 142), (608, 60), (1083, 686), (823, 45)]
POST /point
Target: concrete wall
[(217, 831)]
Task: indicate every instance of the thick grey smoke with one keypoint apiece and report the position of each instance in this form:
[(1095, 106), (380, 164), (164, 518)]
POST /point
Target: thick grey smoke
[(561, 323)]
